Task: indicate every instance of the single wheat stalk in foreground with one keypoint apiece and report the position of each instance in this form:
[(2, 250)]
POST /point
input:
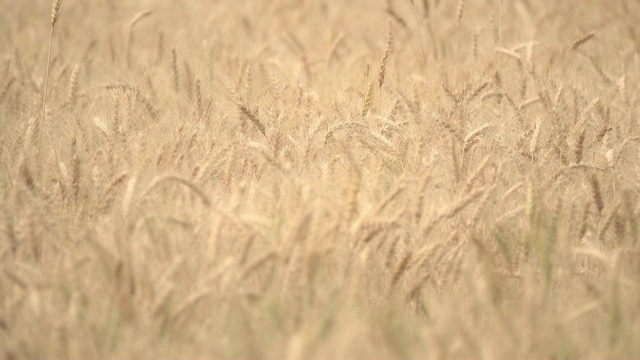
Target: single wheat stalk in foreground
[(55, 14)]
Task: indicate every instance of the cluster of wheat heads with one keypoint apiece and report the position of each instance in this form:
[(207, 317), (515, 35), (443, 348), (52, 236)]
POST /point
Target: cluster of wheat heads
[(319, 180)]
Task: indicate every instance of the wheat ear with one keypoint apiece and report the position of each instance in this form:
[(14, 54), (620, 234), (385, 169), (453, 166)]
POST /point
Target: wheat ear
[(459, 12), (366, 106), (385, 58), (579, 42)]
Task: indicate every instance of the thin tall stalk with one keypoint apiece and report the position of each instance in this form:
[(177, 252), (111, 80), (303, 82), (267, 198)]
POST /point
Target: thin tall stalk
[(55, 14), (500, 35)]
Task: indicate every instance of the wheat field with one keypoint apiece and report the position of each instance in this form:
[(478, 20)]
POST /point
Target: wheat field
[(315, 179)]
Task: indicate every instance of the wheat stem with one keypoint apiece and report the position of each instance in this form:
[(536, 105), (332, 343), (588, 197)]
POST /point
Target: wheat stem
[(55, 15)]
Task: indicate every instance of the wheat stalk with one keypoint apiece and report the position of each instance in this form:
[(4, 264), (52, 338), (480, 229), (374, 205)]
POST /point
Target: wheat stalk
[(579, 147), (55, 15), (73, 86), (470, 139), (5, 89), (385, 58), (174, 68), (474, 45), (400, 269), (582, 40), (180, 180), (9, 230), (597, 193), (459, 12), (76, 172), (582, 226), (367, 101), (622, 88), (132, 24), (252, 116)]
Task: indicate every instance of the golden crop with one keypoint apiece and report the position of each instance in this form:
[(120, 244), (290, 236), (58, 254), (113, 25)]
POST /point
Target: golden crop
[(315, 179)]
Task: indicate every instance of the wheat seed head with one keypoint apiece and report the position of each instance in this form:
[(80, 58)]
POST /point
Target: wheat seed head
[(55, 12)]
